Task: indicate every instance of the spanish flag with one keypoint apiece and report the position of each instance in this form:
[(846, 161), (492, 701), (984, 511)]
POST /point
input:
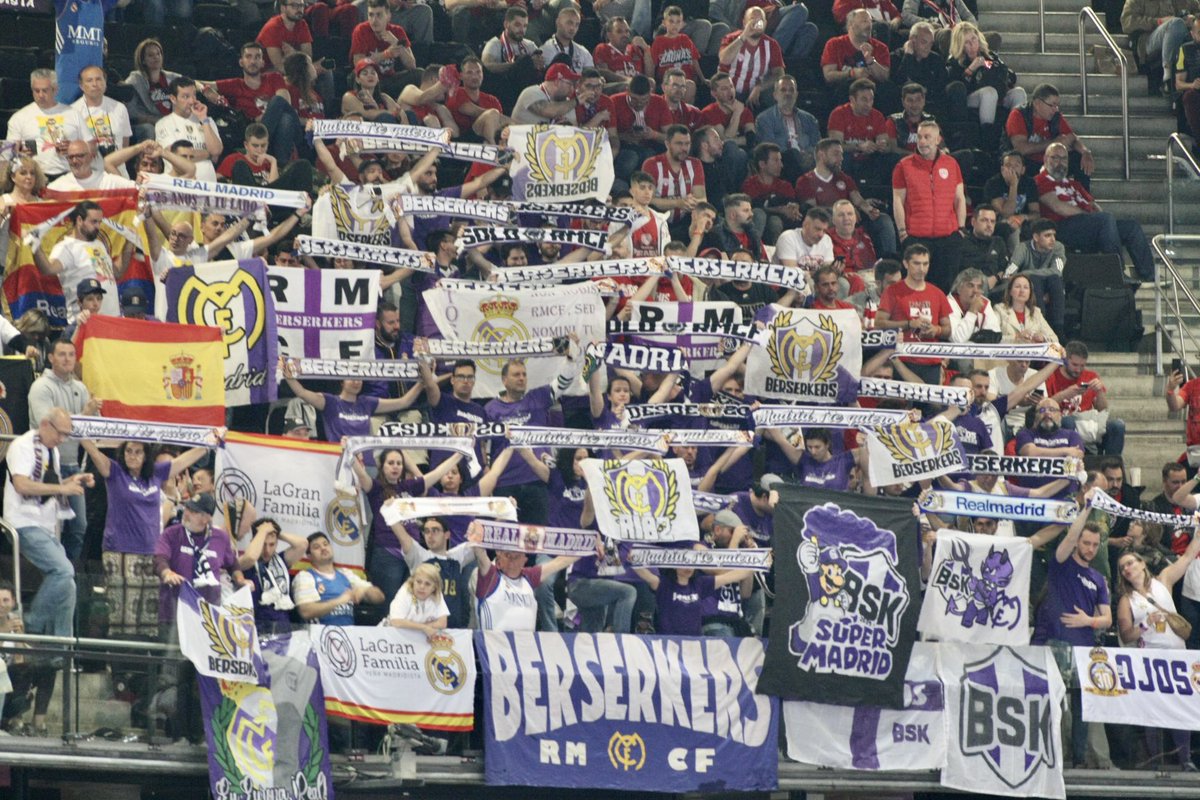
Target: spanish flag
[(154, 370)]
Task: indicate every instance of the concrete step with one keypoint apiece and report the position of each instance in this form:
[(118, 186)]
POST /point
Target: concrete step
[(1026, 20), (1017, 43), (1143, 124), (1147, 188)]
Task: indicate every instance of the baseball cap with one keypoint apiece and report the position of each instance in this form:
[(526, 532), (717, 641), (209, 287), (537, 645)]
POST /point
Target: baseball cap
[(133, 301), (88, 286), (365, 63), (727, 518), (561, 72), (769, 481), (202, 504), (291, 423)]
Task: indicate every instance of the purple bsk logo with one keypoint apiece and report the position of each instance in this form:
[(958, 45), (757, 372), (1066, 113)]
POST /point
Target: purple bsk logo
[(1012, 733)]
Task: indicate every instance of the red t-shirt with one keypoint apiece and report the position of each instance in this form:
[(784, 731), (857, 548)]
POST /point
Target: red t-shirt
[(602, 103), (251, 102), (655, 116), (1068, 190), (930, 189), (841, 52), (260, 171), (1057, 382), (856, 129), (687, 114), (160, 96), (629, 63), (274, 33), (1191, 396), (903, 303), (459, 97), (811, 189), (1015, 126), (669, 52), (309, 107), (364, 41), (885, 9), (713, 114), (757, 189), (752, 64)]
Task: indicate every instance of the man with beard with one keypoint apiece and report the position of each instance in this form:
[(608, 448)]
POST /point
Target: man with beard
[(856, 55), (511, 60), (614, 57), (256, 94), (794, 131), (413, 228), (825, 291), (726, 112), (679, 179), (826, 183), (388, 347), (753, 60), (1079, 391), (1082, 224), (930, 204), (723, 161), (806, 247), (327, 594), (1048, 439), (551, 101), (83, 254)]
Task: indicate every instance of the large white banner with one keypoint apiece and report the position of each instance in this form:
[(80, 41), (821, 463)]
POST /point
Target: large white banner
[(1134, 686), (474, 315), (913, 451), (872, 738), (560, 162), (292, 480), (978, 590), (220, 641), (384, 674), (1004, 719), (807, 356), (325, 313), (703, 353), (647, 500)]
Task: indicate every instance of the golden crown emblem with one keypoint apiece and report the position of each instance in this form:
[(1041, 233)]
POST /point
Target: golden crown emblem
[(499, 306)]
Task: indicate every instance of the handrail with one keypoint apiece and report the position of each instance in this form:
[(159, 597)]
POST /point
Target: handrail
[(1086, 14), (1159, 243), (1041, 26), (1175, 142)]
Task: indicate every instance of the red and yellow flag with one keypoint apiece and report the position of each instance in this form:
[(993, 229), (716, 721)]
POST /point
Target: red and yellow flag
[(154, 370)]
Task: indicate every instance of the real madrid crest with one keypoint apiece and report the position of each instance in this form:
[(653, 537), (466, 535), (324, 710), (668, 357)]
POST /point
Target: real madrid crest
[(1102, 676), (445, 669)]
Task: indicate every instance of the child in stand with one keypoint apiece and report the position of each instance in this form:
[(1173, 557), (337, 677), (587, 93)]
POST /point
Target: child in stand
[(419, 604)]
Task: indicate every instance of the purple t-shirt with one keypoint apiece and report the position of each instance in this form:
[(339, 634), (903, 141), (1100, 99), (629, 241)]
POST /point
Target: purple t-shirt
[(382, 534), (424, 224), (833, 474), (1069, 585), (1061, 438), (134, 520), (532, 409), (762, 526), (348, 419), (973, 434), (451, 409), (566, 501), (681, 609), (178, 547)]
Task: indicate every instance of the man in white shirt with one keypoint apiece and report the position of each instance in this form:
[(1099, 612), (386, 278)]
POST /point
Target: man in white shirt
[(45, 126), (189, 120), (83, 254), (552, 100), (30, 495), (808, 246), (105, 121), (82, 177), (970, 310), (566, 25)]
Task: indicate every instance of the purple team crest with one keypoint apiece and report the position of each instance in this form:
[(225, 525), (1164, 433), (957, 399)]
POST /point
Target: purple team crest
[(1012, 733), (856, 595)]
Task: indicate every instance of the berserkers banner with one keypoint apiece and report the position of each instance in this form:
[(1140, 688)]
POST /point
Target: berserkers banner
[(640, 713), (807, 356), (559, 162), (844, 632)]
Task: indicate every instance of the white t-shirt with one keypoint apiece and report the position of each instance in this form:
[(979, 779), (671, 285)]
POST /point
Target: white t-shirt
[(106, 124), (81, 260), (530, 95), (405, 606), (98, 180), (790, 248), (1001, 385), (581, 59), (57, 124), (29, 457), (171, 128)]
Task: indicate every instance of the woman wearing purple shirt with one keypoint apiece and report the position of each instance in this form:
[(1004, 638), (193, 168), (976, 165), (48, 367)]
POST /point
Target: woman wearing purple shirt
[(385, 556), (349, 412), (683, 596), (817, 464), (133, 482)]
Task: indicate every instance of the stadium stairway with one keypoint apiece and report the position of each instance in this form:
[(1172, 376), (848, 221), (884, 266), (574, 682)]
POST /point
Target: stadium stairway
[(1135, 395)]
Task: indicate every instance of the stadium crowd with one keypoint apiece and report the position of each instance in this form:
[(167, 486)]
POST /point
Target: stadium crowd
[(900, 163)]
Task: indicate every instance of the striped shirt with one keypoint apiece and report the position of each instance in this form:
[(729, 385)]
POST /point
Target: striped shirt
[(674, 183), (752, 63)]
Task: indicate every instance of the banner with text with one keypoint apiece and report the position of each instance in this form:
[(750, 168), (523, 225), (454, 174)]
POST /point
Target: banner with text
[(625, 712), (978, 590), (560, 162), (325, 313), (913, 451), (1139, 686), (647, 500), (810, 356)]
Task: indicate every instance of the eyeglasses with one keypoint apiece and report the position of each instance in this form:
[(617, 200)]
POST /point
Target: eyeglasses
[(463, 377), (1053, 105), (60, 432)]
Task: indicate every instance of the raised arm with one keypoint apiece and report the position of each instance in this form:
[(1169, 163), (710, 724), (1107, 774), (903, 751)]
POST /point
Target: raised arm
[(102, 462), (1172, 573), (314, 399), (1067, 546)]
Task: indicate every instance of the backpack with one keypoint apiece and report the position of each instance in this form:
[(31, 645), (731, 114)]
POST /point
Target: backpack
[(213, 55), (1108, 314)]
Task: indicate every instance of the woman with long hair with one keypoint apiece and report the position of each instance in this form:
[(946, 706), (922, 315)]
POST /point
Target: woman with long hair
[(300, 79), (22, 182), (1021, 321), (151, 98), (987, 78), (366, 98), (1143, 620), (133, 481)]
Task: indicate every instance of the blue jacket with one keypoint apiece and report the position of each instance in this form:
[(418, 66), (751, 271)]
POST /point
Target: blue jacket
[(769, 127)]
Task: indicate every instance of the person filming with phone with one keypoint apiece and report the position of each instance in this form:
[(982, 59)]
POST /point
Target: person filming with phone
[(1084, 401)]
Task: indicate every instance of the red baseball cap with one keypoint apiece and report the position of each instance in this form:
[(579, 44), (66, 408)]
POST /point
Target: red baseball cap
[(561, 71), (365, 63)]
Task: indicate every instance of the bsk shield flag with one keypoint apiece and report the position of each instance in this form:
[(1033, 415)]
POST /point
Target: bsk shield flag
[(978, 590)]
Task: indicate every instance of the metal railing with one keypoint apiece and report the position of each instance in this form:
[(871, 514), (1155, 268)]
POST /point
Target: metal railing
[(1179, 299), (1088, 15), (1175, 142), (1041, 26)]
